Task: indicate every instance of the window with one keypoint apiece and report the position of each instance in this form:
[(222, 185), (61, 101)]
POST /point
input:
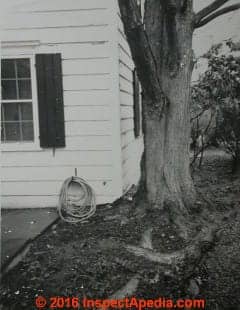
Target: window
[(16, 107)]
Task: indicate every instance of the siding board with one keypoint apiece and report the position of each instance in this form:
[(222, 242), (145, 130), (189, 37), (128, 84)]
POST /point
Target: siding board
[(76, 82), (126, 125), (46, 188), (63, 5), (61, 157), (84, 18), (85, 51), (84, 113), (88, 98), (69, 51), (125, 71), (64, 35), (125, 85), (55, 173), (126, 99), (126, 112), (86, 66), (97, 128), (89, 143)]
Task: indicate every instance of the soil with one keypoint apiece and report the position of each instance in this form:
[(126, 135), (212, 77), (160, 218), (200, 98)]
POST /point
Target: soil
[(68, 260)]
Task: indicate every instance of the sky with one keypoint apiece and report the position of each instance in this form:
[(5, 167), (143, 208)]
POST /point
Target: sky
[(224, 27)]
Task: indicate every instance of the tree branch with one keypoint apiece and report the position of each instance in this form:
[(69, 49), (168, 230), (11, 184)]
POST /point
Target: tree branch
[(209, 9), (218, 13), (141, 49)]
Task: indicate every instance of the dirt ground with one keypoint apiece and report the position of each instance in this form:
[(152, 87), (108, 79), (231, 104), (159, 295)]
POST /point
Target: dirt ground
[(68, 259)]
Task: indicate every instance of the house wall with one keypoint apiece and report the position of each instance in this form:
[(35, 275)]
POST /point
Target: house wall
[(131, 147), (82, 31)]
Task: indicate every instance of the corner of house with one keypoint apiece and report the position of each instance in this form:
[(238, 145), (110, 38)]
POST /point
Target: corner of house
[(116, 121)]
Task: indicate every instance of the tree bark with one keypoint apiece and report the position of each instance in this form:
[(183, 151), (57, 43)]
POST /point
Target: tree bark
[(165, 168)]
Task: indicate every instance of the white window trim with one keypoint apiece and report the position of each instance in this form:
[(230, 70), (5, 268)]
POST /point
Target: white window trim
[(27, 145)]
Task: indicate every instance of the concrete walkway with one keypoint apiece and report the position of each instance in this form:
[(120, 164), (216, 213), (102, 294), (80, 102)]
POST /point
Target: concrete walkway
[(20, 226)]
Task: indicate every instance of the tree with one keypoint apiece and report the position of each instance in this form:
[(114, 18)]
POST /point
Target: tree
[(161, 47)]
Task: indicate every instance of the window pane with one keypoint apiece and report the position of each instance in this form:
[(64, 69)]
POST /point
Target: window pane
[(8, 68), (12, 131), (27, 131), (23, 68), (10, 110), (26, 111), (25, 91), (9, 89)]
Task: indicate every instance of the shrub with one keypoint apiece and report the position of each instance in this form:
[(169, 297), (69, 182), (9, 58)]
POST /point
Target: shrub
[(218, 90)]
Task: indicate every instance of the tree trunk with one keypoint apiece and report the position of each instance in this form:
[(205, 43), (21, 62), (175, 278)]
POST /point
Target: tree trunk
[(166, 141), (162, 53), (166, 138)]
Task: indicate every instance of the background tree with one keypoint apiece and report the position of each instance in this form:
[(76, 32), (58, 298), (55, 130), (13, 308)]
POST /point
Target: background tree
[(161, 47), (218, 91)]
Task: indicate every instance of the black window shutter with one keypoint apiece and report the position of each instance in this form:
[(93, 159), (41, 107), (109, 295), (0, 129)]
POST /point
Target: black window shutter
[(136, 104), (50, 100)]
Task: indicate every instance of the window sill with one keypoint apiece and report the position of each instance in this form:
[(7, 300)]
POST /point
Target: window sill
[(20, 147)]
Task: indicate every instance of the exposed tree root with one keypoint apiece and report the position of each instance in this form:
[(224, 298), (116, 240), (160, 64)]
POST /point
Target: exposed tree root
[(146, 241), (131, 286), (180, 263), (128, 289)]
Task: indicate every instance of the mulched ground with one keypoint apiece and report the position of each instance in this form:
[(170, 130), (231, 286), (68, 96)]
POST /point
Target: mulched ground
[(69, 261)]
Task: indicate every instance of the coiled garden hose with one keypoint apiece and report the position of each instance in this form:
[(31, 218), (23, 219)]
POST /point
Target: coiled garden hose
[(78, 206)]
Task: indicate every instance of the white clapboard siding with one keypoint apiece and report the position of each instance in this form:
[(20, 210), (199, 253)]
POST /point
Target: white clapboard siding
[(126, 112), (88, 98), (87, 82), (126, 72), (86, 66), (126, 99), (85, 113), (130, 150), (132, 154), (72, 18), (123, 43), (63, 5), (125, 58), (86, 128), (119, 22), (55, 173), (63, 35), (69, 51), (126, 125), (131, 157), (82, 31), (131, 147), (125, 85), (85, 51), (13, 202), (90, 143), (127, 138), (61, 157), (43, 188)]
